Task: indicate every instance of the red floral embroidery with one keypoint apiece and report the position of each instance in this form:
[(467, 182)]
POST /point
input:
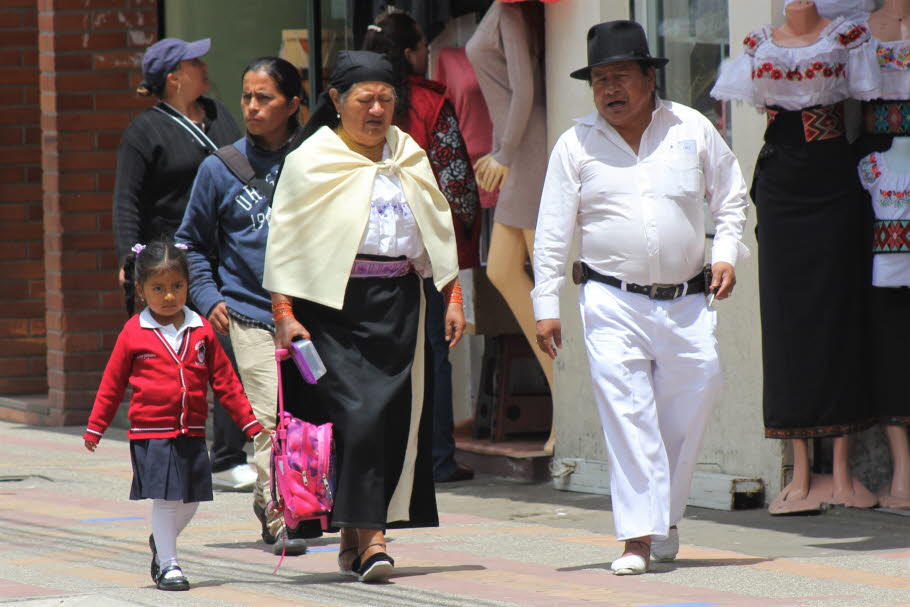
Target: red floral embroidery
[(873, 161), (852, 35), (815, 69), (751, 42)]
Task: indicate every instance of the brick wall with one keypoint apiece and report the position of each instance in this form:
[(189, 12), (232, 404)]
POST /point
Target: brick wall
[(89, 57), (22, 350)]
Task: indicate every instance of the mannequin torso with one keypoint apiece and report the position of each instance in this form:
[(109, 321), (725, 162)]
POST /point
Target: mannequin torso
[(803, 26), (892, 21), (898, 156)]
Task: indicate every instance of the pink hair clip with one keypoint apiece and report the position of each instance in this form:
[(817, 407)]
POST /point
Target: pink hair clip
[(138, 248)]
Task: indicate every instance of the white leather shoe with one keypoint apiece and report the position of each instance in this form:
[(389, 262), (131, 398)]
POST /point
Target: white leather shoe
[(631, 564), (665, 551)]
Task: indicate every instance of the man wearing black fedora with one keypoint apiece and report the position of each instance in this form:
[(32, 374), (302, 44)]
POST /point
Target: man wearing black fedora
[(632, 178)]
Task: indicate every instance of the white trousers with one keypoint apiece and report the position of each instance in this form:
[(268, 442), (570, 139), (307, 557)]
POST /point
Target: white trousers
[(254, 350), (656, 377)]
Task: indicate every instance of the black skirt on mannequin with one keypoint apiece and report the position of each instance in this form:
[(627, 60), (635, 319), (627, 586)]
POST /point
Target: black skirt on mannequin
[(814, 256)]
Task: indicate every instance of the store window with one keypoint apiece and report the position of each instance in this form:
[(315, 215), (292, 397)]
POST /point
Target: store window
[(694, 35), (242, 31)]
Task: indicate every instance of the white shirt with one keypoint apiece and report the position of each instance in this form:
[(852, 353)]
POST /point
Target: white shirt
[(391, 230), (889, 190), (173, 335), (840, 64), (640, 216)]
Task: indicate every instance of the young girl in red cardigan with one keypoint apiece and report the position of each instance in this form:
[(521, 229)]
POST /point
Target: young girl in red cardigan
[(168, 354)]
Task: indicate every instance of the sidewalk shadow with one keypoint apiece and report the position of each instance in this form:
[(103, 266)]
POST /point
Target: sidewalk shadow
[(400, 572), (677, 564)]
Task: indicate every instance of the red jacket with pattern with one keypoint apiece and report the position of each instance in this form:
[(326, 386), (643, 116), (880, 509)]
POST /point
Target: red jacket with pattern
[(169, 387)]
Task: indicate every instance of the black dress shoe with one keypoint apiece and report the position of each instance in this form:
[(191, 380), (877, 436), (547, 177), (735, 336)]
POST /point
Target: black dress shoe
[(259, 511), (462, 473), (154, 568), (175, 582), (289, 544)]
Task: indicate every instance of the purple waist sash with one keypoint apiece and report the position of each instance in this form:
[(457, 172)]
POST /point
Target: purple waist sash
[(368, 268)]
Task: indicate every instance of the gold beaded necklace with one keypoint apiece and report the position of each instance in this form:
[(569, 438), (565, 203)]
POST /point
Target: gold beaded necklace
[(373, 152)]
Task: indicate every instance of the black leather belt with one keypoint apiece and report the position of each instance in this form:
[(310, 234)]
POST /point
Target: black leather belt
[(582, 273)]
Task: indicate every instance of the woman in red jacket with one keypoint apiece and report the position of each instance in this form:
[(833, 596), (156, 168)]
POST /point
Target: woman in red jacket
[(424, 113), (168, 354)]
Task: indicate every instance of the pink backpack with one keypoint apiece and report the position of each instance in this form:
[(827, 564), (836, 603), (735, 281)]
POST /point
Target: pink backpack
[(303, 466)]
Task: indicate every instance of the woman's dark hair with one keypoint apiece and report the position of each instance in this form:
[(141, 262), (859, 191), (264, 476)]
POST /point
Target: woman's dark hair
[(286, 78), (392, 34), (157, 256)]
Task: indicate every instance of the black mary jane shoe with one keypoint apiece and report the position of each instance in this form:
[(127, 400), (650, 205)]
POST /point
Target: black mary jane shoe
[(154, 567), (376, 569), (178, 582)]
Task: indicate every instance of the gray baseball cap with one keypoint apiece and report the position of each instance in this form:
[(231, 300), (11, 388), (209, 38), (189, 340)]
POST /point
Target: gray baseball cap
[(161, 58)]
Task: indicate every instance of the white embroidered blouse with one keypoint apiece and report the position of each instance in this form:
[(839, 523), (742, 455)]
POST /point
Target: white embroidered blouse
[(391, 230), (840, 64), (890, 194), (894, 61)]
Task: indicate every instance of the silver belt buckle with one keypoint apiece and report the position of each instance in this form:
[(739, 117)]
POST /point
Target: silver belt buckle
[(652, 293)]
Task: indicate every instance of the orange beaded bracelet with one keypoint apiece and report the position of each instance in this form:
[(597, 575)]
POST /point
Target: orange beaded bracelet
[(282, 309), (455, 295)]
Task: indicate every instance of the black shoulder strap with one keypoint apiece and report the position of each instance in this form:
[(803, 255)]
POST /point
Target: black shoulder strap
[(240, 166)]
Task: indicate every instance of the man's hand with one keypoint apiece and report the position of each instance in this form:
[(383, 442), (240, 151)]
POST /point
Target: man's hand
[(219, 318), (724, 280), (549, 335)]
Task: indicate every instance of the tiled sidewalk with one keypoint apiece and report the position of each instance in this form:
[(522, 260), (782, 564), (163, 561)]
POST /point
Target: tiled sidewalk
[(69, 537)]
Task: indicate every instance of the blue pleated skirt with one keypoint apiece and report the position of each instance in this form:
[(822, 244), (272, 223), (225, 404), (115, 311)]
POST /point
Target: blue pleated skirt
[(171, 469)]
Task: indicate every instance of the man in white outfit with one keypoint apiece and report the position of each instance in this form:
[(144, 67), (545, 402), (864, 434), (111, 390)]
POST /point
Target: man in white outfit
[(633, 177)]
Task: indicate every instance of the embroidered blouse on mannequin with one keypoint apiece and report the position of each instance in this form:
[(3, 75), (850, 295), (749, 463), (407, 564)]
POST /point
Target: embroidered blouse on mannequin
[(840, 64), (849, 9), (889, 189)]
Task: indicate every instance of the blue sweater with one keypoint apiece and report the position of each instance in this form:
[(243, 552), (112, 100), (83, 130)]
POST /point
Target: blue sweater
[(227, 224)]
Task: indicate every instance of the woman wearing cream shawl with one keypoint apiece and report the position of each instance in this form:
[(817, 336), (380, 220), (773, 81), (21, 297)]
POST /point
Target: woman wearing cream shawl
[(357, 219)]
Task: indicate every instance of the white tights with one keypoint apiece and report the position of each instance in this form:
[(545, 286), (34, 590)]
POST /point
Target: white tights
[(169, 518)]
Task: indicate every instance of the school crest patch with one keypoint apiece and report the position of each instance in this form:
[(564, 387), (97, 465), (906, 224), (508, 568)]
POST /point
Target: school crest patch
[(200, 351)]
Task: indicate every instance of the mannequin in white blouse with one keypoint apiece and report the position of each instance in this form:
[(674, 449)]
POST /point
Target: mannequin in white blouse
[(803, 27), (897, 494), (891, 21)]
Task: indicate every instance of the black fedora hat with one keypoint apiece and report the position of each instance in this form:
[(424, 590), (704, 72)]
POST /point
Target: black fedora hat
[(615, 41)]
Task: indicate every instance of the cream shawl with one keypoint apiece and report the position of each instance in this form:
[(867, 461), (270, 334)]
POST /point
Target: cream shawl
[(321, 208)]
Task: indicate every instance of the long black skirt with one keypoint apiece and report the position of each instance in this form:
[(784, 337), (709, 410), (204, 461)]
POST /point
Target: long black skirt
[(373, 393), (891, 334), (814, 255)]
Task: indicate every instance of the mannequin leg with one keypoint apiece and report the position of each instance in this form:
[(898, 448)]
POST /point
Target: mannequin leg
[(899, 494), (848, 490), (510, 248), (798, 488)]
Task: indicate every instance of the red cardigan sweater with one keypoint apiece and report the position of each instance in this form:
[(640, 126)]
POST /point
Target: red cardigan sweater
[(169, 388)]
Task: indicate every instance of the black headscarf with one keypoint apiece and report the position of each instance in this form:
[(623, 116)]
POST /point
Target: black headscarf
[(351, 67)]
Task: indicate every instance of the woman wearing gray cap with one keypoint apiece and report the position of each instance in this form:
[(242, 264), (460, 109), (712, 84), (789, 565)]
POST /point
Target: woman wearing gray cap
[(157, 162), (164, 146)]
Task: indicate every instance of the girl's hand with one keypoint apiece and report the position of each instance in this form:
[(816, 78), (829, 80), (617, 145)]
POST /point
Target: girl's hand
[(455, 324), (286, 329), (91, 446)]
